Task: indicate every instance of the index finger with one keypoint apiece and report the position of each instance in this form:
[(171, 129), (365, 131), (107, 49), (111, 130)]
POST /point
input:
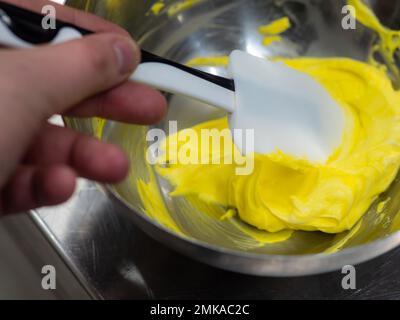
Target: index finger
[(79, 18)]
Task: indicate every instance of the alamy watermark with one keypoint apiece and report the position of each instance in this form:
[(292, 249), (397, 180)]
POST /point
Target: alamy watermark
[(349, 280), (349, 20), (49, 277), (50, 16), (207, 147)]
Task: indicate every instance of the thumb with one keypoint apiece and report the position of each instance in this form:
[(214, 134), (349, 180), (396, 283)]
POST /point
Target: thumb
[(36, 83), (57, 77)]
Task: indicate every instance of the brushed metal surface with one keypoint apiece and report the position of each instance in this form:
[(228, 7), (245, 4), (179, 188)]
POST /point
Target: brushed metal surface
[(116, 260), (24, 251)]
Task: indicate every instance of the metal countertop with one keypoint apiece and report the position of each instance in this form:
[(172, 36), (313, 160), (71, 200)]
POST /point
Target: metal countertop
[(113, 259)]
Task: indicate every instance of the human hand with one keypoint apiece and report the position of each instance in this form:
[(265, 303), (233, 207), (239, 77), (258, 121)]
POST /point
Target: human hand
[(39, 162)]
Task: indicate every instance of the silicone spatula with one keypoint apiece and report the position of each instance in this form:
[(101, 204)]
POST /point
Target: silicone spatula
[(287, 109)]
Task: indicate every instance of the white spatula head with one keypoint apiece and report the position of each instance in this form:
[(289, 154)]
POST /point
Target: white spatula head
[(288, 110)]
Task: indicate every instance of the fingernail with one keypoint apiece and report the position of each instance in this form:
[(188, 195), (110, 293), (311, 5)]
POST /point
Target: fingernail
[(126, 52)]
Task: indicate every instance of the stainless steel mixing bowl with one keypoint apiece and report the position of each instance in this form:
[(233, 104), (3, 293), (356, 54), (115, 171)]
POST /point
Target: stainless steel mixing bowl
[(215, 27)]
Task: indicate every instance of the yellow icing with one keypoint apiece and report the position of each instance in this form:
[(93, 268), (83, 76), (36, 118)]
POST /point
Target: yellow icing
[(271, 39), (180, 6), (272, 30), (174, 8), (287, 193), (263, 237), (98, 126), (221, 61), (382, 205), (389, 40), (226, 220), (112, 4), (157, 7), (283, 193), (271, 33), (153, 202), (275, 27), (343, 239)]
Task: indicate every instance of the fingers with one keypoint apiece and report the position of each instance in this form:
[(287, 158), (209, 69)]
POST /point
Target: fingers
[(56, 77), (130, 102), (55, 159), (37, 83), (85, 20), (89, 157), (89, 73), (32, 187)]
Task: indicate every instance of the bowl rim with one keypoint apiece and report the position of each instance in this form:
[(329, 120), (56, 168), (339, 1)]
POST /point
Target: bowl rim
[(281, 265)]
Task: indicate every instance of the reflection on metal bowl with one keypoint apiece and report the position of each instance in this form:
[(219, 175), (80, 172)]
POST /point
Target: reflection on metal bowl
[(213, 28)]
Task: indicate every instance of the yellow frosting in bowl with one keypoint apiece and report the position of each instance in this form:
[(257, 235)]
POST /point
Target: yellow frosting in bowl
[(288, 193), (284, 193)]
